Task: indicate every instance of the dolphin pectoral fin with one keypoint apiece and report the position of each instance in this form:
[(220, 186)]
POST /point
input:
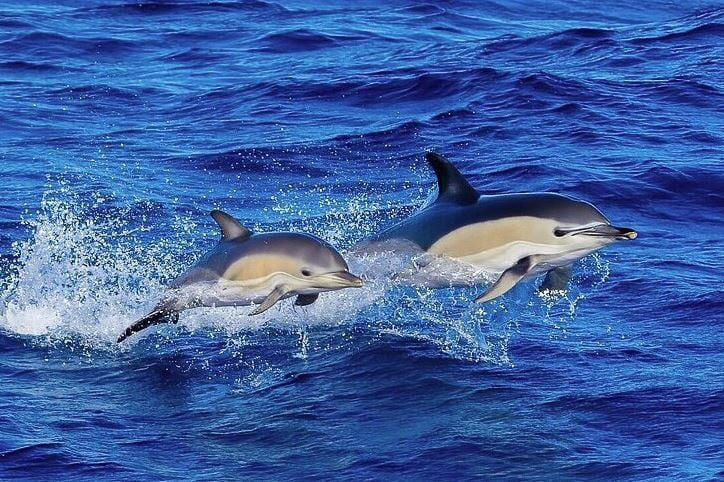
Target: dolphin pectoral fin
[(304, 300), (508, 279), (153, 318), (556, 279), (275, 295)]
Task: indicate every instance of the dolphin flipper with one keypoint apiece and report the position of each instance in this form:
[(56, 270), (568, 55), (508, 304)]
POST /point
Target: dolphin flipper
[(304, 300), (556, 279), (275, 295), (154, 318), (509, 278)]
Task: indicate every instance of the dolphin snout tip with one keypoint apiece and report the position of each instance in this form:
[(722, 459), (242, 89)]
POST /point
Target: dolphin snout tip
[(616, 232), (348, 279), (627, 233)]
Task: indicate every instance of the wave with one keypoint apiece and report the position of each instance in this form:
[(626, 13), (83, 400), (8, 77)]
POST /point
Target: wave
[(14, 23), (422, 9), (377, 87), (677, 89), (681, 400), (405, 130), (184, 8), (291, 161), (546, 83), (301, 40), (666, 183), (552, 42), (699, 33), (23, 66), (54, 459), (104, 92), (424, 86), (55, 45), (193, 55)]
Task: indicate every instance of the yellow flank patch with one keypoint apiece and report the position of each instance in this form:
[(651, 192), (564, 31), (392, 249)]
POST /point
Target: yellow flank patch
[(261, 266), (479, 237)]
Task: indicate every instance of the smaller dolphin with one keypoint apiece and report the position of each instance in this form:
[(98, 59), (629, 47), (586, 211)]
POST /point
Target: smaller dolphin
[(520, 235), (245, 268)]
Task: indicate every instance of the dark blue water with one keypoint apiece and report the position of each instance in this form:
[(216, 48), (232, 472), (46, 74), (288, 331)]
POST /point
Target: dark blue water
[(123, 124)]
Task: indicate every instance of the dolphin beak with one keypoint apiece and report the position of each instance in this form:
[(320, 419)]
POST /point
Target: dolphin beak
[(608, 231), (626, 233), (346, 279)]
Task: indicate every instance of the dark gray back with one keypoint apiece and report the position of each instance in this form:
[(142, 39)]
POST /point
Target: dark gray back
[(313, 251), (440, 218)]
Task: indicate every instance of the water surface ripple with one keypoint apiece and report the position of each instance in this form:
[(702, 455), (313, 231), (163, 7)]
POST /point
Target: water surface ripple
[(123, 123)]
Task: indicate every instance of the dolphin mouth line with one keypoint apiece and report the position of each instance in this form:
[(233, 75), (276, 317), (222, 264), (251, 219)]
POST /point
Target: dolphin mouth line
[(346, 279), (607, 231)]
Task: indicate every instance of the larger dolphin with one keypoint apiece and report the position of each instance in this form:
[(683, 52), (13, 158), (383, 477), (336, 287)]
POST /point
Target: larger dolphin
[(519, 234), (245, 268)]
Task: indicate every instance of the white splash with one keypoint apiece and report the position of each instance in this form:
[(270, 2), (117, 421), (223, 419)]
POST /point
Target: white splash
[(81, 274), (89, 270)]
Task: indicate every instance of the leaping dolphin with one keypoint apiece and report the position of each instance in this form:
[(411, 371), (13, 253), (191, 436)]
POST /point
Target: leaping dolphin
[(521, 235), (245, 268)]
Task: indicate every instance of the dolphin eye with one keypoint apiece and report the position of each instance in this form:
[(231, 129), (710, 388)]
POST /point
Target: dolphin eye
[(306, 272)]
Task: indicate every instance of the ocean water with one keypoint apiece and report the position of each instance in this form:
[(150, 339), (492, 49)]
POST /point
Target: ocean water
[(123, 123)]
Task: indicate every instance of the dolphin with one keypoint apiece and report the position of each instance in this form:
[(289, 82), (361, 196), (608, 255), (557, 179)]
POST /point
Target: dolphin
[(246, 268), (520, 235)]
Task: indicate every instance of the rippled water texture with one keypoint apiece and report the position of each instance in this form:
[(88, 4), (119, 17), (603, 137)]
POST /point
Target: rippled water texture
[(123, 124)]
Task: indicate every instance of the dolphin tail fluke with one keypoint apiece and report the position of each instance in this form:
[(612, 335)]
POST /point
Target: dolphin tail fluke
[(508, 279), (154, 318)]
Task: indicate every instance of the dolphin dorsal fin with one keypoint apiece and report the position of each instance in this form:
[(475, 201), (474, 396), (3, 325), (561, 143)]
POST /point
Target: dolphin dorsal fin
[(452, 186), (230, 227)]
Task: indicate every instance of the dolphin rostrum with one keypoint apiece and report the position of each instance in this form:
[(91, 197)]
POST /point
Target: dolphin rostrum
[(520, 235), (245, 268)]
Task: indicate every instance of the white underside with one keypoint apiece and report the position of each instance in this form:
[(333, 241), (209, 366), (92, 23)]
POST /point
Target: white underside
[(503, 257), (436, 271), (223, 292)]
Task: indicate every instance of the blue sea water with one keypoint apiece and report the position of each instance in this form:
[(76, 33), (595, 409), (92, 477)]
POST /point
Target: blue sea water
[(123, 123)]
